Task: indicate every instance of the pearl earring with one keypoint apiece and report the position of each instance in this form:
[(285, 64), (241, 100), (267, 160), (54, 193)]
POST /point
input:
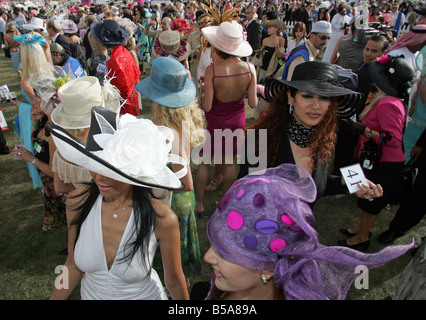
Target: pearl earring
[(263, 277)]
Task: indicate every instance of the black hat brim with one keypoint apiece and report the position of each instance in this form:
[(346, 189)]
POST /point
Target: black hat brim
[(348, 100)]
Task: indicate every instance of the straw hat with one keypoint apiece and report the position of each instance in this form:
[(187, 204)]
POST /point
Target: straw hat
[(170, 44), (77, 98), (228, 38), (168, 84), (279, 24), (69, 26), (35, 24)]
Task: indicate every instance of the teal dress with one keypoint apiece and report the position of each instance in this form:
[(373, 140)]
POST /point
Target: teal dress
[(144, 44), (184, 206), (416, 124)]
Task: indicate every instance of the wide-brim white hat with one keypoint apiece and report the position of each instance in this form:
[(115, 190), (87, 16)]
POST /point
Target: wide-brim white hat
[(35, 24), (127, 149), (228, 38), (77, 98)]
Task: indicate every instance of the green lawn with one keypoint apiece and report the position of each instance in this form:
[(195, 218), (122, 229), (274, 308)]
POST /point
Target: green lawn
[(29, 256)]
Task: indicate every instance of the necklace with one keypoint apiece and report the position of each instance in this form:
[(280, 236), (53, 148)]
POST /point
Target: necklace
[(298, 133), (117, 210)]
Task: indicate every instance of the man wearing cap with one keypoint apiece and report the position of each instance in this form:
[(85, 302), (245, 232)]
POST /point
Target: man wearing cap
[(309, 50), (68, 63), (53, 29)]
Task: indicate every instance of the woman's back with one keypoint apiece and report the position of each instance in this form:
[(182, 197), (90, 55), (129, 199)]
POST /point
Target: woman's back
[(231, 79)]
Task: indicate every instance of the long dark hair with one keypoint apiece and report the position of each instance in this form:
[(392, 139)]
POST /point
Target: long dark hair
[(144, 214), (275, 118)]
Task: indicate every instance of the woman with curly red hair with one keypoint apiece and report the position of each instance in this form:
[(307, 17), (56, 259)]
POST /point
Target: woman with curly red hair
[(300, 125)]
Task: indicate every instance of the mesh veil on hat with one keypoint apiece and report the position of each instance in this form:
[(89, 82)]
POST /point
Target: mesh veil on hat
[(321, 78), (264, 222), (78, 96)]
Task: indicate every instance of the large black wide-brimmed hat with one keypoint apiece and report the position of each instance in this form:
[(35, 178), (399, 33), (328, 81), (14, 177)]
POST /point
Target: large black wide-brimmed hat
[(321, 78), (109, 32), (393, 75)]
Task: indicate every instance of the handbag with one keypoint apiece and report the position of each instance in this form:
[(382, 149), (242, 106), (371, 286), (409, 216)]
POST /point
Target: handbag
[(407, 178), (371, 154), (258, 58)]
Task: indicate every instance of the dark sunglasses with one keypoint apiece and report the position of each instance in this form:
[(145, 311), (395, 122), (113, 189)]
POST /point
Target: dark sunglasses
[(324, 37)]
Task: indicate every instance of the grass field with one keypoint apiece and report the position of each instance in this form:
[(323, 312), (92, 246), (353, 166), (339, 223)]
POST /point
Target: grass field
[(29, 256)]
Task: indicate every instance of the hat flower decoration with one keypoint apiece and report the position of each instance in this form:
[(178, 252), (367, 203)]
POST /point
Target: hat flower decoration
[(127, 149), (398, 75)]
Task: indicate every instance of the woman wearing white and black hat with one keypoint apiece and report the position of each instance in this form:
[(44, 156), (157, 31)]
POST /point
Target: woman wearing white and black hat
[(382, 122), (116, 224), (300, 125)]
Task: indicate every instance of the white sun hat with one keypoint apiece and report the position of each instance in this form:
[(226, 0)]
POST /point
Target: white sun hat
[(127, 149), (227, 37)]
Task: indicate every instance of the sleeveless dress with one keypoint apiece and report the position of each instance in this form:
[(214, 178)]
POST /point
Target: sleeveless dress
[(226, 115), (416, 124), (184, 206), (54, 203), (125, 280)]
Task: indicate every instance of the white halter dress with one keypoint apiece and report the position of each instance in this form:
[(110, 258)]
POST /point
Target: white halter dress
[(125, 280)]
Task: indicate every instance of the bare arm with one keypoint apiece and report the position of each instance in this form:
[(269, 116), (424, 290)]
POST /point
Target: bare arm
[(168, 236), (252, 89), (208, 90), (69, 270)]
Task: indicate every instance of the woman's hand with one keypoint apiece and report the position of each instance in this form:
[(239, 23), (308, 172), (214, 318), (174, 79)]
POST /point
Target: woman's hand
[(20, 152), (369, 192)]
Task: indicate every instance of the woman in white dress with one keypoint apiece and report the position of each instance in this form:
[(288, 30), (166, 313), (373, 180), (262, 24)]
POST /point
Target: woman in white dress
[(116, 224)]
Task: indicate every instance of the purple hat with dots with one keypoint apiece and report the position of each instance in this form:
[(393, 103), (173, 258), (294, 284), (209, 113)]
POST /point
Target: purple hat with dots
[(264, 222)]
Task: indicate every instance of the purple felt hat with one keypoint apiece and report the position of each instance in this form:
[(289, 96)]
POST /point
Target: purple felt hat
[(264, 222)]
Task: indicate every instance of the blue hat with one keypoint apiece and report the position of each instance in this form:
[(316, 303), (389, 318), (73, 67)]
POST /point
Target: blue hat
[(168, 84), (109, 32), (147, 13)]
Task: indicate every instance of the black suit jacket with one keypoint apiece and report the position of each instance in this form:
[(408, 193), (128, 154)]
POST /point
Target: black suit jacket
[(254, 35), (64, 43)]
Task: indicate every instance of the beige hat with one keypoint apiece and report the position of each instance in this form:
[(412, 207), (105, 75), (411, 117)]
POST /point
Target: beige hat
[(279, 24), (170, 44), (77, 98)]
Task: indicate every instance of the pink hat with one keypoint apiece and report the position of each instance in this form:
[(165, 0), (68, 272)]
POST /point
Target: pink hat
[(227, 37), (69, 26)]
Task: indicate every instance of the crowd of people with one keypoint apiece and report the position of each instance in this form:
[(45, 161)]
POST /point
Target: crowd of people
[(344, 78)]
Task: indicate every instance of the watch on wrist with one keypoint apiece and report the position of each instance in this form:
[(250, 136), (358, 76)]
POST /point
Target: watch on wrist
[(369, 134)]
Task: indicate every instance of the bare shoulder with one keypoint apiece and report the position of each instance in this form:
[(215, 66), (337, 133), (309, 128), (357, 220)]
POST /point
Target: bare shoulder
[(167, 222), (164, 212)]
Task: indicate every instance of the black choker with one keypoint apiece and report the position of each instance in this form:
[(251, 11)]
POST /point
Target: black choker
[(298, 133)]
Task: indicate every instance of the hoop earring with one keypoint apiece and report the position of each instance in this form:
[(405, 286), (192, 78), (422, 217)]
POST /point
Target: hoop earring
[(290, 109), (263, 277)]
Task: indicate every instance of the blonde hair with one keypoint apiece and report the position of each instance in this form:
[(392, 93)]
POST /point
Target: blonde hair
[(379, 96), (32, 58), (174, 118)]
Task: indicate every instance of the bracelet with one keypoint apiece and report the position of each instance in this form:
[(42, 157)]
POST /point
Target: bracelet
[(34, 161)]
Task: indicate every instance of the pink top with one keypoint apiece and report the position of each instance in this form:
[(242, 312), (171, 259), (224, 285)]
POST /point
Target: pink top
[(387, 116)]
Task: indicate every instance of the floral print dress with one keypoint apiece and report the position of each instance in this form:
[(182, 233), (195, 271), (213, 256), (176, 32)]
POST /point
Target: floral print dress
[(54, 204), (144, 43)]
